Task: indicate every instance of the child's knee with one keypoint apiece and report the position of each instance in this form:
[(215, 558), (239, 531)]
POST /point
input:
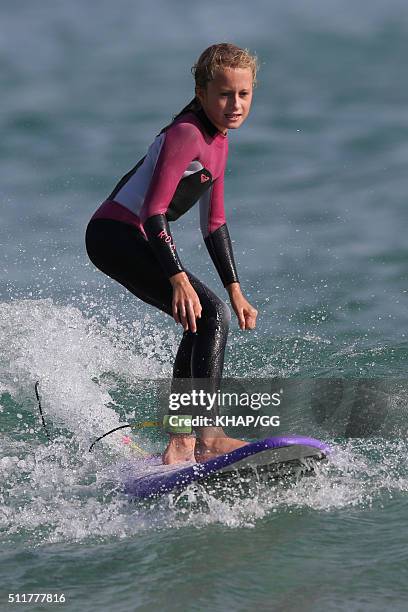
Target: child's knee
[(224, 313)]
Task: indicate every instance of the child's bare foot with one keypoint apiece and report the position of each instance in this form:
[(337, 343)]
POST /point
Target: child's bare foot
[(210, 447), (179, 449)]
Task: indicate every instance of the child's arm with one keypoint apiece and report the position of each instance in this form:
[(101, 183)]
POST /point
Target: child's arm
[(179, 148), (215, 232)]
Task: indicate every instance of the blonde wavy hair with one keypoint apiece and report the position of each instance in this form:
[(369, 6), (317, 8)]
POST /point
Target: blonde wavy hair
[(221, 56), (218, 57)]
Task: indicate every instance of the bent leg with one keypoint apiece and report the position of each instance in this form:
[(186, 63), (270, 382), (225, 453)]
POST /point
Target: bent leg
[(121, 251)]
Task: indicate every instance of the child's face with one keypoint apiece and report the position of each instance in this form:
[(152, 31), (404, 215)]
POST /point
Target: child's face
[(227, 98)]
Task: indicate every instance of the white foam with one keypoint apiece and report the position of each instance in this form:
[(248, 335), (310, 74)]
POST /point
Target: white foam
[(60, 492), (69, 354)]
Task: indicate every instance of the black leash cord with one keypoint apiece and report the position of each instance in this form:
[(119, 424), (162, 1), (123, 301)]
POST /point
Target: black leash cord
[(40, 408), (107, 434), (45, 426)]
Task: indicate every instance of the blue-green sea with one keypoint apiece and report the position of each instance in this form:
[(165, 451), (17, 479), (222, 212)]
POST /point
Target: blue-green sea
[(316, 202)]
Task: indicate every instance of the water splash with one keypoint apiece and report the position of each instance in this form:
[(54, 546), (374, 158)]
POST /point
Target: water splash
[(77, 360), (59, 492)]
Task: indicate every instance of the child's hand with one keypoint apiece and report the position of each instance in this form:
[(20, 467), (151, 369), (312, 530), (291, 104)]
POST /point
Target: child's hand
[(246, 314), (186, 303)]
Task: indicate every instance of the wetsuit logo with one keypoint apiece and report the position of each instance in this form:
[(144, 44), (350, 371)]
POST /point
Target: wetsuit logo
[(163, 235), (204, 178)]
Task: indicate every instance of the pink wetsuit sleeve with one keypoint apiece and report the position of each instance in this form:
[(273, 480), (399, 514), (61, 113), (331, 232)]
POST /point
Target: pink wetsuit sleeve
[(180, 147), (212, 211), (216, 216), (215, 232)]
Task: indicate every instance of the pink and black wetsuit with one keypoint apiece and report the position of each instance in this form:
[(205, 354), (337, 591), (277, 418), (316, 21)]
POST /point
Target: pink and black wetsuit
[(129, 237), (184, 164)]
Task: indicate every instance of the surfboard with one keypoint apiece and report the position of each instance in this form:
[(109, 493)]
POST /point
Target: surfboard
[(149, 478)]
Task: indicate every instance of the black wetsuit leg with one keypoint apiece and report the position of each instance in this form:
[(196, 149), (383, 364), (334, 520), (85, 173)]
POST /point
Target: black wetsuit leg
[(121, 251)]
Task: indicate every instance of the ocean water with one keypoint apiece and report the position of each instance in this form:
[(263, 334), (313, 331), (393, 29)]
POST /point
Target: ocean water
[(316, 205)]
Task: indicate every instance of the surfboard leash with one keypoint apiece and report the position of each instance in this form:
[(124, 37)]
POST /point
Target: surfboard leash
[(40, 409), (126, 440)]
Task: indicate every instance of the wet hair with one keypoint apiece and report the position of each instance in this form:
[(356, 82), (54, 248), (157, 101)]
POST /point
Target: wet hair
[(218, 57)]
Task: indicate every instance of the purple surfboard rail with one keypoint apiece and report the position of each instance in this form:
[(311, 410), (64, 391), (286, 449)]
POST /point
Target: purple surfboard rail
[(145, 486)]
